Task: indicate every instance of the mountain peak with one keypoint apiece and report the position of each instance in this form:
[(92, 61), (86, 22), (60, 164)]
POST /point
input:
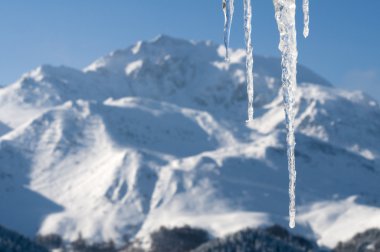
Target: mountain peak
[(164, 40), (191, 74), (154, 135)]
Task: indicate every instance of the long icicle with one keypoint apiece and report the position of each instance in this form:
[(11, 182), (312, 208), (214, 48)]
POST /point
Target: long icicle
[(228, 10), (285, 17), (306, 18), (249, 57)]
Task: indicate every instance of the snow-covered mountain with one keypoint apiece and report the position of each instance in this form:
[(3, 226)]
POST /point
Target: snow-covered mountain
[(154, 135)]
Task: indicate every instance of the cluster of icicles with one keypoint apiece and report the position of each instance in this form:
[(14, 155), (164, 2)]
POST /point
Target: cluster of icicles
[(285, 12)]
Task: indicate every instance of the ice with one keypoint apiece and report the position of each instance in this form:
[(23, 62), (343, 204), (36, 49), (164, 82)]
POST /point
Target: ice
[(249, 57), (228, 10), (306, 19), (285, 11)]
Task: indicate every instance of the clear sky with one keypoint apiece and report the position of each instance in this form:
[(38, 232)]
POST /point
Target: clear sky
[(344, 43)]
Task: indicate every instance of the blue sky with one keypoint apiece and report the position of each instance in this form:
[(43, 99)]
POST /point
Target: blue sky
[(344, 43)]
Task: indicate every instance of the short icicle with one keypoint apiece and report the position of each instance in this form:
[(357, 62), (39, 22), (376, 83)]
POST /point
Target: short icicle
[(249, 57), (228, 10), (306, 18), (285, 17)]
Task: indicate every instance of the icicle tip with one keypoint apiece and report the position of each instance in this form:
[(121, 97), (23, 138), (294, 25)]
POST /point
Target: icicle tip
[(227, 58), (292, 219), (306, 32), (249, 122)]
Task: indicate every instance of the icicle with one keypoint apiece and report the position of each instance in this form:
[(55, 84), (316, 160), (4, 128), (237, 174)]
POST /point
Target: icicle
[(305, 7), (249, 57), (285, 17), (228, 10)]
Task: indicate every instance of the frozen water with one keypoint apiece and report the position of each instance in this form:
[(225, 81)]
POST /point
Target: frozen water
[(249, 56), (306, 19), (285, 11), (228, 10)]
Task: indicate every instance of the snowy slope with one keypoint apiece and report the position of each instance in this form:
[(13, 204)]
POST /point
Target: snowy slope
[(4, 129), (154, 135)]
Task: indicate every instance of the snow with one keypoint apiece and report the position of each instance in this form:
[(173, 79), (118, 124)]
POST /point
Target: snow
[(218, 225), (133, 66), (164, 145), (4, 129), (347, 216)]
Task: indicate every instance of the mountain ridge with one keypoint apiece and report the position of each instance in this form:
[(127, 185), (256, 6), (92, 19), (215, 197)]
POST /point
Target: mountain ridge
[(154, 135)]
